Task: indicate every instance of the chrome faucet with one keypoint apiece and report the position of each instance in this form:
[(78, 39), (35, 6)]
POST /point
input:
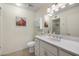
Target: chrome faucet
[(57, 37)]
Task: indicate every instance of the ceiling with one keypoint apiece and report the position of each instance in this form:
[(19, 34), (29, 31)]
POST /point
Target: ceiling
[(37, 6), (33, 6)]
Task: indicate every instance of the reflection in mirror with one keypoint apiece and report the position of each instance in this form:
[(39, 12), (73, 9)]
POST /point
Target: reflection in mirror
[(56, 26), (45, 24)]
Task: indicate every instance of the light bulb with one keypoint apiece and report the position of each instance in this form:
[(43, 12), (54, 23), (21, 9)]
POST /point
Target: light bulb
[(18, 4), (49, 14), (48, 10), (63, 6), (56, 9), (60, 4), (52, 11), (71, 3), (53, 7)]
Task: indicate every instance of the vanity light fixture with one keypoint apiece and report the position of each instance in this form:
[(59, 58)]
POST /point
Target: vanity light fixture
[(53, 7)]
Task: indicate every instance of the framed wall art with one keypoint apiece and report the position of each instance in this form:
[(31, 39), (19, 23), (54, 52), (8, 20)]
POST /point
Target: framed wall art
[(21, 21)]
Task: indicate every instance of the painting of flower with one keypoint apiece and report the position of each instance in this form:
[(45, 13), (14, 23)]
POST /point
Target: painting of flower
[(20, 21)]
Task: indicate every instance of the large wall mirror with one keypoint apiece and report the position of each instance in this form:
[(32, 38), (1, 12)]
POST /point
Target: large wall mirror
[(67, 22), (64, 22)]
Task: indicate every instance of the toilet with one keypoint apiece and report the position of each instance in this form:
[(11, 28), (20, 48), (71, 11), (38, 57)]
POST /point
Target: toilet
[(30, 46)]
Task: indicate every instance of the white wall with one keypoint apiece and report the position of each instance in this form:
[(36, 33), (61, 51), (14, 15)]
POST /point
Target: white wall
[(15, 38)]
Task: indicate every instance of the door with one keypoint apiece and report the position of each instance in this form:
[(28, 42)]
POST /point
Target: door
[(45, 52)]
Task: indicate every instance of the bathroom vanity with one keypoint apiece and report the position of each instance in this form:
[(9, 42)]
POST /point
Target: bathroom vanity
[(46, 46)]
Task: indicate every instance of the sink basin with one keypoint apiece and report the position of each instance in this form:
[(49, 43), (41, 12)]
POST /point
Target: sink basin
[(54, 37)]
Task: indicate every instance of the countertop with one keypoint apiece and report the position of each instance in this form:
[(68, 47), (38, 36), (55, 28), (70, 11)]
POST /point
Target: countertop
[(66, 44)]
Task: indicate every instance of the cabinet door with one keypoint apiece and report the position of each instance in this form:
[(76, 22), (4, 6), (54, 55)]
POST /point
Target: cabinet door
[(37, 47), (49, 47), (63, 53), (44, 52), (48, 53)]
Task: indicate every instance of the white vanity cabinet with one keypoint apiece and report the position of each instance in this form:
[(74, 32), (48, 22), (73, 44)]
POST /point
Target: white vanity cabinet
[(45, 48)]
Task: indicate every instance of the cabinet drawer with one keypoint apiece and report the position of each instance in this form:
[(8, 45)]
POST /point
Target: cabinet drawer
[(49, 47), (63, 53)]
